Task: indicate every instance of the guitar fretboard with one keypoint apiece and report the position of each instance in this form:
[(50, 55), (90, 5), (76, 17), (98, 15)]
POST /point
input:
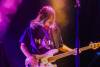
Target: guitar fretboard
[(85, 48), (56, 57)]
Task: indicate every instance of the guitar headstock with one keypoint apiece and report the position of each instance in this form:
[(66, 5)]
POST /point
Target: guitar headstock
[(94, 45)]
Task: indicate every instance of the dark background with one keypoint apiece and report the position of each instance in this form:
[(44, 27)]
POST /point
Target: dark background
[(89, 30)]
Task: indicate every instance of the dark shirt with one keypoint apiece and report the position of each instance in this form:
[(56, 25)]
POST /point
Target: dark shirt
[(38, 40)]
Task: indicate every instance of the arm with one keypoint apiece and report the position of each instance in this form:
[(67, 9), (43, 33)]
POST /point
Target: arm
[(24, 42), (65, 48), (25, 50), (30, 59)]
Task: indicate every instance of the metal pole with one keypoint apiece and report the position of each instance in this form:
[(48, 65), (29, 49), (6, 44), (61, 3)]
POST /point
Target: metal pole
[(77, 59)]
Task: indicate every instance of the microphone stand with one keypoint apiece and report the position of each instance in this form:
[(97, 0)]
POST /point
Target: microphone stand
[(77, 42)]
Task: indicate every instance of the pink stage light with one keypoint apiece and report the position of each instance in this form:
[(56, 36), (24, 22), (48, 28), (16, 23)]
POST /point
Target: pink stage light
[(10, 5), (7, 7), (77, 3)]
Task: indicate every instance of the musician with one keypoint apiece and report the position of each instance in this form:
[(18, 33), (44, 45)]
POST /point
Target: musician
[(42, 35)]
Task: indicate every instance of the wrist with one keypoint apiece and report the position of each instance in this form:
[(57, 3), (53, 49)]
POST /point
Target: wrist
[(29, 56)]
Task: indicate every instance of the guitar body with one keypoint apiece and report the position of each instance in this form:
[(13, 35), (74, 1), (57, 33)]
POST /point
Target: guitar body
[(48, 65), (42, 60), (27, 64)]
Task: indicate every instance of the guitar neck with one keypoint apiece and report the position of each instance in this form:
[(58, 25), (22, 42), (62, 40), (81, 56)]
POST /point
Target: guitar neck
[(56, 57), (85, 48)]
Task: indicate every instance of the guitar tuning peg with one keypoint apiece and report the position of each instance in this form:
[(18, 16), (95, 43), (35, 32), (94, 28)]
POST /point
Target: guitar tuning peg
[(99, 44)]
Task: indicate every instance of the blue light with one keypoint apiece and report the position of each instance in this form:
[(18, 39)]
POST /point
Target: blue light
[(98, 53)]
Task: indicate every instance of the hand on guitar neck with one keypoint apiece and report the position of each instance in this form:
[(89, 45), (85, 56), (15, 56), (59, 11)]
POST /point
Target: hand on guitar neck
[(76, 51)]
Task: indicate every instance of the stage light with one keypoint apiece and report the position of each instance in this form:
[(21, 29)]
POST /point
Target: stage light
[(98, 53), (61, 8), (7, 8)]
